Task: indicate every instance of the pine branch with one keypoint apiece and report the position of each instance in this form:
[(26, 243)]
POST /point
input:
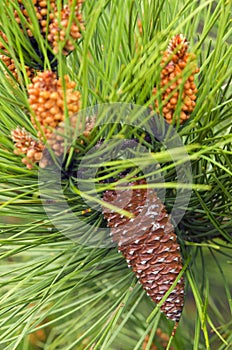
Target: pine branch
[(61, 287)]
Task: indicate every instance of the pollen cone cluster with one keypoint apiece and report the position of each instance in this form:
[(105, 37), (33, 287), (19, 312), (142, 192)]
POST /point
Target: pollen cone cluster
[(161, 338), (48, 100), (176, 64), (59, 26), (149, 244), (44, 11), (26, 145), (9, 62), (57, 139)]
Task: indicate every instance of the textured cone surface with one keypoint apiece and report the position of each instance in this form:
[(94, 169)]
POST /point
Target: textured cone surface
[(149, 244)]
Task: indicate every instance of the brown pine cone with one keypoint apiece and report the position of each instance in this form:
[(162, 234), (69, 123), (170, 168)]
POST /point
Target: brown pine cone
[(174, 61), (26, 145), (47, 101), (148, 243)]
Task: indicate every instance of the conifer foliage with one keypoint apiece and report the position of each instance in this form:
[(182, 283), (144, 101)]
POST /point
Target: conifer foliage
[(75, 168)]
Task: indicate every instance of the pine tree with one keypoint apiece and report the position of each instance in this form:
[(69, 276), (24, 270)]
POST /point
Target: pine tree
[(141, 97)]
